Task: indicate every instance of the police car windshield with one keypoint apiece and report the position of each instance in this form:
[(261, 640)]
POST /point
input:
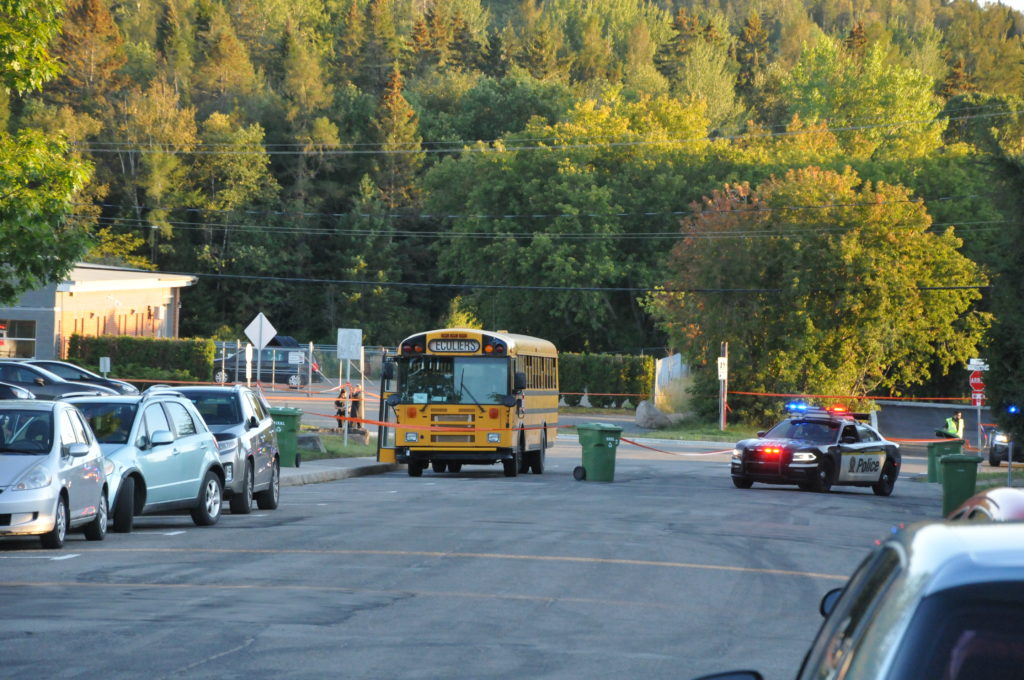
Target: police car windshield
[(816, 431)]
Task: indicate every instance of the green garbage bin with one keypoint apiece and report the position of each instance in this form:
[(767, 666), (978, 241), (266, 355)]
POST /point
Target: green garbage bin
[(599, 442), (936, 450), (286, 423), (959, 474)]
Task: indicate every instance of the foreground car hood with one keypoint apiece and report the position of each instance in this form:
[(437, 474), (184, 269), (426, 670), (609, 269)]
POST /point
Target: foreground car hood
[(13, 466)]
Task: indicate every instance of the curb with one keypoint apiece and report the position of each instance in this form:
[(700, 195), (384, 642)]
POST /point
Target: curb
[(333, 474)]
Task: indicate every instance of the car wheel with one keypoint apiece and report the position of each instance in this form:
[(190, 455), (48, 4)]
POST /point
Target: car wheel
[(513, 466), (823, 479), (454, 467), (295, 380), (220, 376), (54, 539), (96, 530), (270, 497), (415, 468), (241, 503), (439, 466), (993, 458), (579, 473), (742, 482), (124, 513), (211, 495), (887, 480)]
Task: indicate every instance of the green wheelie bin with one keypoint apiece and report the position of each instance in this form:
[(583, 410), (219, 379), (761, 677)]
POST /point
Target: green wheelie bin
[(959, 475), (599, 442), (286, 423), (936, 450)]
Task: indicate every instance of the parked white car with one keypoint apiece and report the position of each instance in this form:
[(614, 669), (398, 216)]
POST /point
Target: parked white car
[(51, 473)]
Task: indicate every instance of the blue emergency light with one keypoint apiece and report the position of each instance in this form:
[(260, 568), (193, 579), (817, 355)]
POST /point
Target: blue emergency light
[(1013, 409), (796, 406)]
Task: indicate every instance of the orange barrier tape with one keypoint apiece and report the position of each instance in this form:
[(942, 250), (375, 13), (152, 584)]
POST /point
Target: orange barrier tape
[(436, 428), (848, 396), (673, 453)]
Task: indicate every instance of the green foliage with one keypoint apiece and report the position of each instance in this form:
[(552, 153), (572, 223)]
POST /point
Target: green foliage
[(608, 379), (850, 297), (26, 29), (193, 357), (39, 184)]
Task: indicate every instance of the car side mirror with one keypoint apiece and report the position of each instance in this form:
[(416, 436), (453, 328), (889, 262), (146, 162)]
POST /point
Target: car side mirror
[(252, 423), (78, 450), (392, 400), (733, 675), (828, 602), (761, 433), (519, 382), (161, 438)]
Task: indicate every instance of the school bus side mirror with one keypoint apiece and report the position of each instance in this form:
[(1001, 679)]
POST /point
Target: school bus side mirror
[(388, 369), (519, 382)]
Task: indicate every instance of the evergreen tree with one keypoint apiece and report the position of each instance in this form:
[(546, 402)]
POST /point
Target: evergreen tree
[(958, 81), (224, 73), (174, 45), (752, 53), (91, 48), (396, 129), (856, 41)]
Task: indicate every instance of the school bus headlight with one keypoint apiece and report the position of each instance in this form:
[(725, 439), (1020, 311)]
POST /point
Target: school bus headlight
[(411, 437), (493, 437)]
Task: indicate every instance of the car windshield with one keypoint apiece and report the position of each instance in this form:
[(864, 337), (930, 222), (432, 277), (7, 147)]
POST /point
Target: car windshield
[(453, 380), (816, 431), (66, 372), (111, 422), (25, 431), (216, 409)]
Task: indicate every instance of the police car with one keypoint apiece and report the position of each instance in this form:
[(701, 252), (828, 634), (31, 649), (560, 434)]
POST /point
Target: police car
[(817, 449)]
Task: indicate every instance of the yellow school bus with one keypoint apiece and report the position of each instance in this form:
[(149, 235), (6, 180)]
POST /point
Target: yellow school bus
[(459, 396)]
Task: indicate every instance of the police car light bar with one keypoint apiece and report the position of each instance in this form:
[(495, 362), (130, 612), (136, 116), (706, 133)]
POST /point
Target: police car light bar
[(796, 406)]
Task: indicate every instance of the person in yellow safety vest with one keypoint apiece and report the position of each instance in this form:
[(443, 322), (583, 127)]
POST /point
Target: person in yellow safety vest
[(955, 426)]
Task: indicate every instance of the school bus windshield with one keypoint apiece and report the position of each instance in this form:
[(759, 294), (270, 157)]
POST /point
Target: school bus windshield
[(453, 380)]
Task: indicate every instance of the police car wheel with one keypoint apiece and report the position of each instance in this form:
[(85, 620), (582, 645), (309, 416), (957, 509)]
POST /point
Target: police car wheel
[(823, 479), (742, 482), (994, 459), (887, 480)]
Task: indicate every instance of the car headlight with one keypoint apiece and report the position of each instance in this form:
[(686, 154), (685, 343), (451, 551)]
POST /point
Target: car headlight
[(804, 457), (493, 437), (227, 446), (1002, 439), (737, 455), (411, 437), (36, 478)]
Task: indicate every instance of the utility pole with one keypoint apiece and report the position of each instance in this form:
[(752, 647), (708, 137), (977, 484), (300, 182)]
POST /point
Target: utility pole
[(723, 383)]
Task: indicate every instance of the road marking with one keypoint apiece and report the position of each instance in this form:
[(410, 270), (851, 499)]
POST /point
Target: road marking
[(334, 589), (173, 533), (490, 556), (38, 557)]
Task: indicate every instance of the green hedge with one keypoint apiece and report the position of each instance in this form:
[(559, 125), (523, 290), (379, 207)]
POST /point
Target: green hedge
[(191, 356), (614, 374)]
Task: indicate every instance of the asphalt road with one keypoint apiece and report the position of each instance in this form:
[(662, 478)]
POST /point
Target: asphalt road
[(668, 572)]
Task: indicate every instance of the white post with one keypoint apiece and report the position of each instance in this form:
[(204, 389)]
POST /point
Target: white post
[(348, 365), (309, 372)]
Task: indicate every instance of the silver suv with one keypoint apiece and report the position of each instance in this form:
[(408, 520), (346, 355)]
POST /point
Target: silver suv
[(240, 420), (159, 456)]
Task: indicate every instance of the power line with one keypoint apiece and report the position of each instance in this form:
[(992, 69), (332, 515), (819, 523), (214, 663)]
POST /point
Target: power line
[(488, 147), (487, 286)]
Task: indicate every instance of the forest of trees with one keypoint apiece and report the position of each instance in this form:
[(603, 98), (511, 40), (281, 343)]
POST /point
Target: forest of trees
[(833, 185)]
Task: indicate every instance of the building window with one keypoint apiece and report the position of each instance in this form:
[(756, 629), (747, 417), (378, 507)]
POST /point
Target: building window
[(17, 338)]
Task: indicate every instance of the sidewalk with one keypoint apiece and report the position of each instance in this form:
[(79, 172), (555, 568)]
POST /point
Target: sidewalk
[(330, 469)]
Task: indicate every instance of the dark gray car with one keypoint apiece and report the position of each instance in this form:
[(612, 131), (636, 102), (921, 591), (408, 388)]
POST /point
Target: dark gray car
[(240, 420), (45, 384), (74, 373)]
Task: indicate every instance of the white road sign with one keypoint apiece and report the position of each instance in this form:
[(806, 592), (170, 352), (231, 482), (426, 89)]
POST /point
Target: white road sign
[(350, 341), (260, 331)]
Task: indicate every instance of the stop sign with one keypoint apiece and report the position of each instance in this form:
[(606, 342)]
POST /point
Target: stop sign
[(977, 381)]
